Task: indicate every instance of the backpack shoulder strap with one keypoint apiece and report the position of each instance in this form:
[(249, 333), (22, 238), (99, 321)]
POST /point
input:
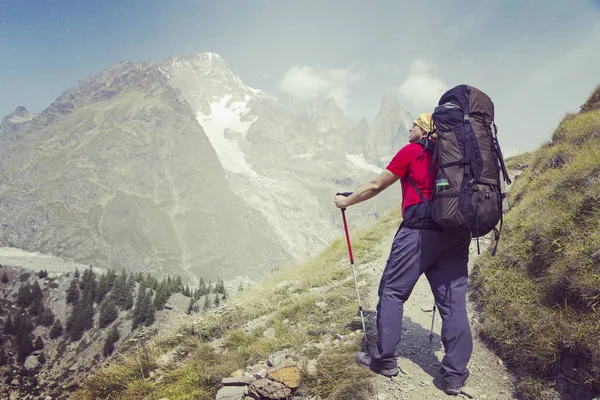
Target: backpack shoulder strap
[(414, 185), (427, 145)]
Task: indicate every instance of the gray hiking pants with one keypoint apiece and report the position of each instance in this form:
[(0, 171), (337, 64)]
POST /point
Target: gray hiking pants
[(443, 258)]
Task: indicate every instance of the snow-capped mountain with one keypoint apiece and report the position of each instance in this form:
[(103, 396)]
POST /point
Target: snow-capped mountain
[(180, 166)]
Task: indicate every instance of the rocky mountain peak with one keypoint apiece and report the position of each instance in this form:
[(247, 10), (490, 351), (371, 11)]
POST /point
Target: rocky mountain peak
[(21, 111), (389, 102), (11, 122), (204, 79)]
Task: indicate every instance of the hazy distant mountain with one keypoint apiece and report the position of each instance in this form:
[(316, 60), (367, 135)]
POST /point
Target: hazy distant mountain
[(180, 166)]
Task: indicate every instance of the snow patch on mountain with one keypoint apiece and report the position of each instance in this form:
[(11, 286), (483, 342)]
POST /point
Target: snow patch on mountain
[(225, 115), (359, 162), (305, 155)]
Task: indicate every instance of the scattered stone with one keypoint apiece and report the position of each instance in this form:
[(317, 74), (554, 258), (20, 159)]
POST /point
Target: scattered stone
[(238, 381), (320, 346), (231, 393), (408, 388), (289, 376), (277, 359), (269, 389), (260, 374), (166, 358), (311, 367), (500, 362), (321, 304), (269, 333), (427, 307), (238, 372), (31, 363)]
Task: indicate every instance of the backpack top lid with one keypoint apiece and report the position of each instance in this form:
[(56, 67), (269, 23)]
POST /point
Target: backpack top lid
[(470, 101)]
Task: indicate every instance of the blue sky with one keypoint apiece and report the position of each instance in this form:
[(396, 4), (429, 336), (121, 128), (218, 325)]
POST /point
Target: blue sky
[(536, 59)]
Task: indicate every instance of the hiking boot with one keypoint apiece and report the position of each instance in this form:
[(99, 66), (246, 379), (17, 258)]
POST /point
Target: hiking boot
[(364, 359), (454, 390)]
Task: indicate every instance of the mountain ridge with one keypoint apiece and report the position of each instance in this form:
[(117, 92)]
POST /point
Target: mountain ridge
[(276, 162)]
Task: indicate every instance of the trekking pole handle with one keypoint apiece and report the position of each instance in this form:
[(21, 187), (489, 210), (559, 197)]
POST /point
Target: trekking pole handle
[(345, 194)]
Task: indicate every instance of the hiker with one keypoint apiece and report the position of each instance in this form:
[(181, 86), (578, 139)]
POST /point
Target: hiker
[(419, 246)]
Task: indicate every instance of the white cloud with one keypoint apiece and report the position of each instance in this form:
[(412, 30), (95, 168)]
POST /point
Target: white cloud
[(307, 83), (421, 87)]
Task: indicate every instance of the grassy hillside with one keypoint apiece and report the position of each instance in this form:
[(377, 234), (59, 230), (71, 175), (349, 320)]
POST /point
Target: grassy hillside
[(540, 296), (303, 304)]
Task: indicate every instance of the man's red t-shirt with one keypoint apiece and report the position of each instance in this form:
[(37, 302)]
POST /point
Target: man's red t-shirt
[(414, 161)]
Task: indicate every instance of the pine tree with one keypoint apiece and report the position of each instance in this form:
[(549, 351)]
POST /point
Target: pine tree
[(217, 301), (82, 317), (102, 288), (201, 288), (149, 312), (4, 278), (39, 343), (111, 339), (162, 295), (128, 300), (220, 287), (3, 358), (121, 291), (190, 308), (206, 302), (8, 326), (24, 297), (178, 284), (46, 318), (131, 280), (37, 302), (139, 303), (108, 313), (23, 342), (73, 292), (57, 330), (88, 283), (76, 275), (110, 279)]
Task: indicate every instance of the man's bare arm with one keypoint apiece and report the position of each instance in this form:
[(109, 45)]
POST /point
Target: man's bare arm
[(370, 189)]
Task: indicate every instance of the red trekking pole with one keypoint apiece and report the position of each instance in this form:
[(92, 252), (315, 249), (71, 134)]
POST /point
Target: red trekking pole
[(360, 309)]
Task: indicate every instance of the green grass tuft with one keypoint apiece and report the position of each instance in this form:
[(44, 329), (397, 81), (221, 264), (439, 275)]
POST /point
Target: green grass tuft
[(540, 296)]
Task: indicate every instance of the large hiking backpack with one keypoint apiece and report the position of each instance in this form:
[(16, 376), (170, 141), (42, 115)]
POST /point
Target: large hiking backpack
[(469, 157)]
